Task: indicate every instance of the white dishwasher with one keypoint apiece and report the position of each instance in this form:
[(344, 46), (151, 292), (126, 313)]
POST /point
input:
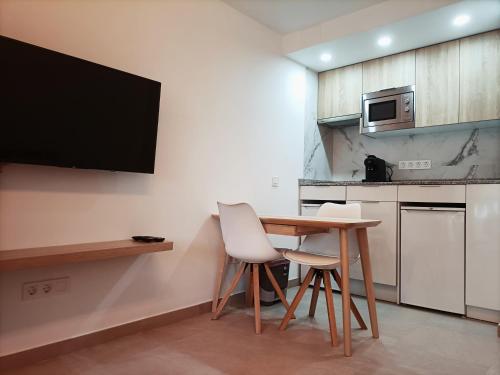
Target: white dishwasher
[(432, 257)]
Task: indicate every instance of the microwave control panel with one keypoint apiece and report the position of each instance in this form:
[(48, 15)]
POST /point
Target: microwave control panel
[(407, 106)]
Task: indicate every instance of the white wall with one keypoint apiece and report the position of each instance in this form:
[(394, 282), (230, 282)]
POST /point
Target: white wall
[(232, 114)]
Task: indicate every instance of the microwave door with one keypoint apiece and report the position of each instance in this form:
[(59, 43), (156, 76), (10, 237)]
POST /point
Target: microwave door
[(382, 111)]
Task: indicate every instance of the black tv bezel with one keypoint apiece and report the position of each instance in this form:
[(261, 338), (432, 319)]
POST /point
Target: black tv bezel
[(7, 160)]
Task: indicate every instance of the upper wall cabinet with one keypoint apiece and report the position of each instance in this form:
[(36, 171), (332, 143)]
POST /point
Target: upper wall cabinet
[(388, 72), (339, 92), (437, 84), (480, 77)]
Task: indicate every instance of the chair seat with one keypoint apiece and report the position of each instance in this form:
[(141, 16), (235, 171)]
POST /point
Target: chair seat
[(316, 261)]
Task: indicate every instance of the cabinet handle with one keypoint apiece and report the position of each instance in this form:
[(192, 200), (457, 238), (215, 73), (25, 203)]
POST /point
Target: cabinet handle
[(369, 202), (429, 186)]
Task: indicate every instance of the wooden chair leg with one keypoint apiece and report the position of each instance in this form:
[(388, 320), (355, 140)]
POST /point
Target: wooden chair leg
[(256, 297), (354, 308), (220, 279), (249, 291), (315, 293), (331, 309), (276, 287), (297, 299), (234, 282)]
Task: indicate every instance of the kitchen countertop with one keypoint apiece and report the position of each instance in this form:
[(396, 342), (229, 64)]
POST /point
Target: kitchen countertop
[(306, 182)]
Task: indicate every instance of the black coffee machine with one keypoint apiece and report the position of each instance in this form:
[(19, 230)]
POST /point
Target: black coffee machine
[(377, 170)]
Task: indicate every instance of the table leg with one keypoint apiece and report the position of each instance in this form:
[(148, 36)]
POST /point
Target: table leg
[(367, 276), (220, 279), (346, 292)]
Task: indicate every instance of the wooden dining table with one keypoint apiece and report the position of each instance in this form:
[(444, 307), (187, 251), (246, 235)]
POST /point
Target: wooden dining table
[(304, 225)]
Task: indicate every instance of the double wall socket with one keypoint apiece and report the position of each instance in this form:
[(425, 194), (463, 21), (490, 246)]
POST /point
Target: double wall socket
[(415, 164), (45, 288)]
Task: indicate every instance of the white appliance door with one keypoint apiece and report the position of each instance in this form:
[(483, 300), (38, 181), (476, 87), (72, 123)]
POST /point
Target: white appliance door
[(432, 258)]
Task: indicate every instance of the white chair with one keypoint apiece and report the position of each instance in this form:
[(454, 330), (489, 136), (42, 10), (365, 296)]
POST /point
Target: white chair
[(245, 239), (322, 254)]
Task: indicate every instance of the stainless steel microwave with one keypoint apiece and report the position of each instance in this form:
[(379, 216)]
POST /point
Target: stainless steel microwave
[(389, 109)]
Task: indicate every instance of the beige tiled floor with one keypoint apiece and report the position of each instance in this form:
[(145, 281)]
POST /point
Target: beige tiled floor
[(412, 341)]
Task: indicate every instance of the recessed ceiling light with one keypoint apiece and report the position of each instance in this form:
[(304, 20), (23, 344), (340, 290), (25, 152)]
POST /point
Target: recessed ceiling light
[(325, 57), (461, 20), (384, 41)]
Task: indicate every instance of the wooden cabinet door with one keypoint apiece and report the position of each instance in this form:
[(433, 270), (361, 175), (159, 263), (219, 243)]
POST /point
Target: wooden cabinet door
[(480, 77), (389, 72), (382, 241), (339, 92), (437, 84)]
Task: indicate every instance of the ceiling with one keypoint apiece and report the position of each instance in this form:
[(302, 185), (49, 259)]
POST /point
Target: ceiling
[(425, 29), (285, 16), (348, 30)]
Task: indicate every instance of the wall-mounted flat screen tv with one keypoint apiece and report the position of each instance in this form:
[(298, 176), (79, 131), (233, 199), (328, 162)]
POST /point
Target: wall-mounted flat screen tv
[(63, 111)]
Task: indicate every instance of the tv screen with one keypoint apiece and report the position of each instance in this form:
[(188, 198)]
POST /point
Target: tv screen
[(60, 110)]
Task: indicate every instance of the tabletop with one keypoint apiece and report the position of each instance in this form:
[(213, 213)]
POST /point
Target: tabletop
[(317, 222)]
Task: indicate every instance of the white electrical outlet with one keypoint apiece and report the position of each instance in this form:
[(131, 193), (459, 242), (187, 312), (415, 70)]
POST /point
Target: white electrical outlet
[(45, 288), (415, 164), (426, 164)]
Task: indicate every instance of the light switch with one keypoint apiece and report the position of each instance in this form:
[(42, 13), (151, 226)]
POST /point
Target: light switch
[(276, 181)]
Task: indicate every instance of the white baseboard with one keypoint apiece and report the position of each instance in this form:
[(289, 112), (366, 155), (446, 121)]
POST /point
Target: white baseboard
[(483, 314), (382, 292)]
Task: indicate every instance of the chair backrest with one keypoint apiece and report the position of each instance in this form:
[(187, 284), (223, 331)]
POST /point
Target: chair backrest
[(244, 235), (328, 243)]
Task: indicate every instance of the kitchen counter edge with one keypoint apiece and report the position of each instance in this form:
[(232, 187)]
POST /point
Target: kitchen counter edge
[(310, 182)]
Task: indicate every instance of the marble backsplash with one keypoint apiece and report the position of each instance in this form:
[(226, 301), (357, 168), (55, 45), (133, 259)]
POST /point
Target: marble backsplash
[(471, 153), (318, 140)]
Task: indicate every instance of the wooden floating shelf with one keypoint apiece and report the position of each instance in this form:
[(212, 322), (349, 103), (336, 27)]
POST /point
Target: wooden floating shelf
[(54, 255)]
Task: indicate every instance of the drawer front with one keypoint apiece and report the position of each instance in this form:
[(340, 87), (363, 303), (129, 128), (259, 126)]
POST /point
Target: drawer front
[(432, 193), (332, 193), (373, 193)]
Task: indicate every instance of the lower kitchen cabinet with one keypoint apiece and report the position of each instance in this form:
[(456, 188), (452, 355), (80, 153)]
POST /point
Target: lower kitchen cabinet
[(483, 247), (482, 241), (382, 241)]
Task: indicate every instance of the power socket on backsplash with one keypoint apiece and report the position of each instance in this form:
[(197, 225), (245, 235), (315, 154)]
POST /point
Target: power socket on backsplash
[(415, 164)]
